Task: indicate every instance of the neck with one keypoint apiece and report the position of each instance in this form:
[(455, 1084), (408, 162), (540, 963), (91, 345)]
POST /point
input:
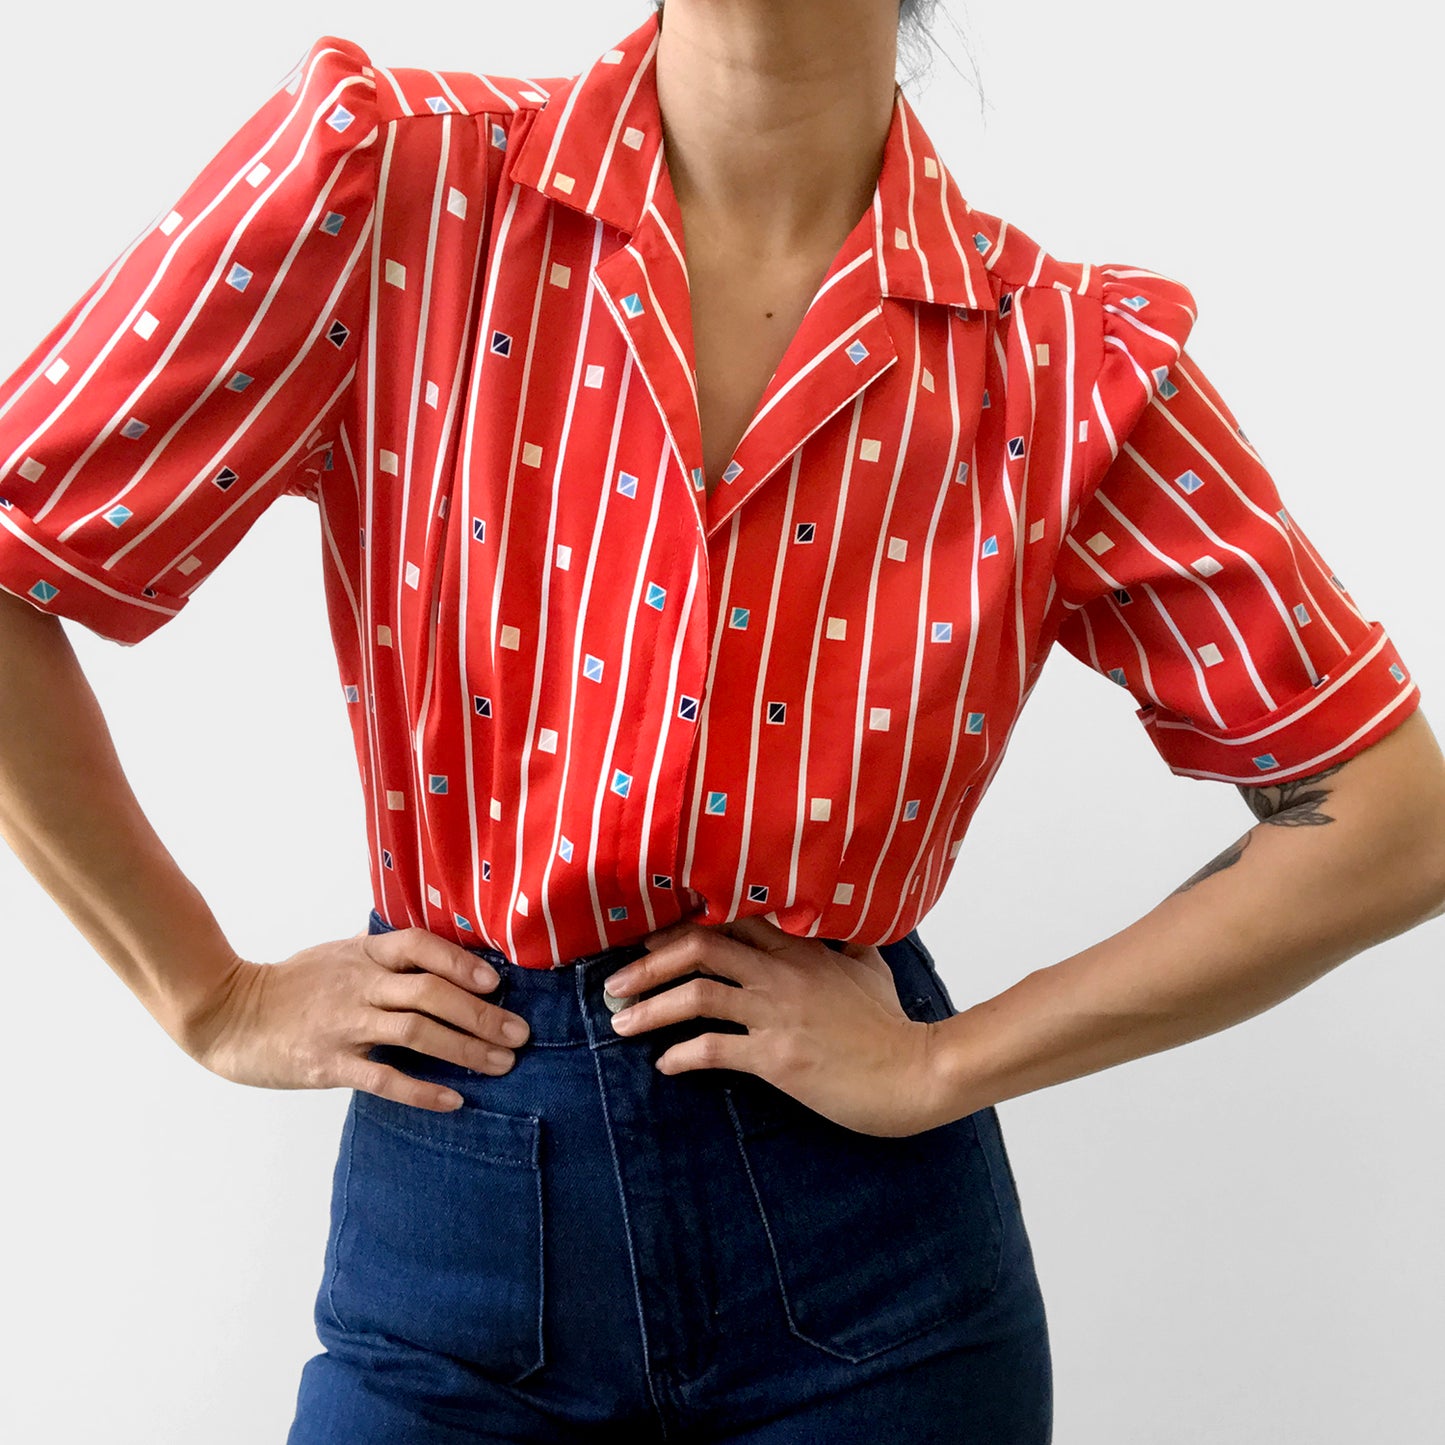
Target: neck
[(774, 117)]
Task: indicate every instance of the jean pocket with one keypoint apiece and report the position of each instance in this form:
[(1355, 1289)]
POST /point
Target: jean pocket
[(437, 1231), (874, 1239)]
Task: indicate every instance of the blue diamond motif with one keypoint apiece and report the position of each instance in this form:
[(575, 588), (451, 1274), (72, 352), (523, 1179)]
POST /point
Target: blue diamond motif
[(439, 104), (352, 693), (436, 782), (910, 810), (621, 782), (340, 118), (331, 222), (981, 242), (974, 724), (134, 428), (717, 803), (564, 847), (118, 514), (732, 473), (617, 913), (627, 484), (632, 305), (856, 352), (238, 276), (461, 922), (499, 137), (1117, 673), (942, 632), (1397, 672), (962, 473), (592, 668), (239, 382), (1189, 480), (655, 595), (44, 591), (1265, 761), (1136, 303), (738, 617), (990, 547), (698, 481)]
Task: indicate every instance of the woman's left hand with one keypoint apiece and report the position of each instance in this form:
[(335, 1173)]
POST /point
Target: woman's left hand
[(824, 1026)]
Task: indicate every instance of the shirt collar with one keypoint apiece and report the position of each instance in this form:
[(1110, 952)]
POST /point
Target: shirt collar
[(594, 142)]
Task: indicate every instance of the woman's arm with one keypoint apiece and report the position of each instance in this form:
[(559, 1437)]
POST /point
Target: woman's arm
[(68, 813), (1337, 864)]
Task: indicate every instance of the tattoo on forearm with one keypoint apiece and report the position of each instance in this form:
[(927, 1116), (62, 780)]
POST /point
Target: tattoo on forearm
[(1291, 805), (1286, 805)]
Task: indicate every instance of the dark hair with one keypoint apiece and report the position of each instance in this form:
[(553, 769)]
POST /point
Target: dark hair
[(915, 40)]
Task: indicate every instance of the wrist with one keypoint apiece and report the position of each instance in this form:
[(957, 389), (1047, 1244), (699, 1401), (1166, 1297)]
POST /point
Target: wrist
[(194, 1014), (952, 1086)]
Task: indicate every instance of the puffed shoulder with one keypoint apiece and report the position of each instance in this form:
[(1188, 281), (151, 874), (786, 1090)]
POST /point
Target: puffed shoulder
[(334, 86), (1146, 319)]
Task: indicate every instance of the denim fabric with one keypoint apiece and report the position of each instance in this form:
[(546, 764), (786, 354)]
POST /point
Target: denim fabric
[(591, 1250)]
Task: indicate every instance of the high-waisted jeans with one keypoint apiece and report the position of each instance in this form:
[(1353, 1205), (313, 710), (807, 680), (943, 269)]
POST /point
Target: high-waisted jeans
[(592, 1250)]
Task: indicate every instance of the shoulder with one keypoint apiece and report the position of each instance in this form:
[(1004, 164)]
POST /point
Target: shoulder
[(407, 91), (1115, 291), (1128, 323)]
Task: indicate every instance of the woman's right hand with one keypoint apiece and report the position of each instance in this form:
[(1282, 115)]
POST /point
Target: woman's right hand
[(311, 1021)]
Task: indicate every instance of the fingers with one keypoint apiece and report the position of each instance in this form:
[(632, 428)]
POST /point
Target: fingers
[(697, 998), (682, 949), (410, 948), (426, 1035), (386, 1082), (425, 993)]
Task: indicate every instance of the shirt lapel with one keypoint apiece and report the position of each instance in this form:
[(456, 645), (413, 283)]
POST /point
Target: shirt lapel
[(596, 146)]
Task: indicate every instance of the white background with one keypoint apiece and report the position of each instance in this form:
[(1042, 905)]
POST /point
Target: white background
[(1239, 1240)]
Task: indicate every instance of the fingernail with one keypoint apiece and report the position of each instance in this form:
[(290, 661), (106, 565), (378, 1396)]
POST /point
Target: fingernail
[(515, 1030), (618, 984), (486, 975)]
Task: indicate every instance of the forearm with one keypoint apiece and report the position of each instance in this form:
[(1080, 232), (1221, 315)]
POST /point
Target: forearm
[(69, 815), (1275, 911)]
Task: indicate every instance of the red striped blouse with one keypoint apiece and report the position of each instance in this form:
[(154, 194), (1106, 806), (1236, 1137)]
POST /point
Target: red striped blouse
[(588, 694)]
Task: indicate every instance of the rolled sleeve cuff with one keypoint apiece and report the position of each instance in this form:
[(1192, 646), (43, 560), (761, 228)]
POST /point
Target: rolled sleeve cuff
[(55, 578), (1367, 694)]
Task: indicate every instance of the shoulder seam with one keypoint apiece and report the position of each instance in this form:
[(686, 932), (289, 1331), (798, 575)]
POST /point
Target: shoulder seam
[(510, 95)]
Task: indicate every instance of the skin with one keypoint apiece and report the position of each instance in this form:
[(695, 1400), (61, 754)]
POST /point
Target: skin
[(775, 117), (1298, 804)]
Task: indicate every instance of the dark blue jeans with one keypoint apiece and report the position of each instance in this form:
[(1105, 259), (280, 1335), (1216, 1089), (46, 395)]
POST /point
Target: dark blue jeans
[(591, 1250)]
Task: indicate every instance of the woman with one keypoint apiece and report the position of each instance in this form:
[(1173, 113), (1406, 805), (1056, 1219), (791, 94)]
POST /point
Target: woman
[(684, 595)]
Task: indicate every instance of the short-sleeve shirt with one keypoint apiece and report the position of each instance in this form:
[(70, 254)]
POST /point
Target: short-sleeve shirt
[(589, 692)]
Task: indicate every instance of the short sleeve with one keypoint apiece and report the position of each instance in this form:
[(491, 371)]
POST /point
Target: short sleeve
[(192, 383), (1184, 578)]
